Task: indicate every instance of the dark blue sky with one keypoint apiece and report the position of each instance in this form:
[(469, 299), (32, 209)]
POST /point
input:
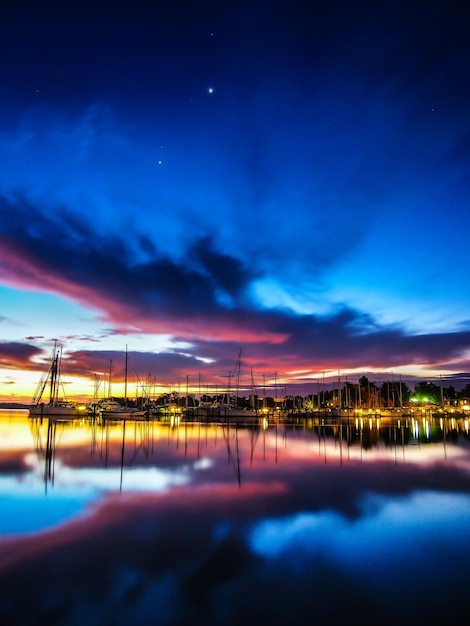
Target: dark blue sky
[(286, 177)]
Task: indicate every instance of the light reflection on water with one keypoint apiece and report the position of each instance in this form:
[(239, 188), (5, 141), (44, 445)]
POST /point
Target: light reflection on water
[(214, 523)]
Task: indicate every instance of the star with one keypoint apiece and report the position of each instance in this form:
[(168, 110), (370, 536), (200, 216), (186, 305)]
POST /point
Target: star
[(210, 90)]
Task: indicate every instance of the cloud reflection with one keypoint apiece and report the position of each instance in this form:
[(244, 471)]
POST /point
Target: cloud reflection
[(75, 489), (209, 525), (345, 541)]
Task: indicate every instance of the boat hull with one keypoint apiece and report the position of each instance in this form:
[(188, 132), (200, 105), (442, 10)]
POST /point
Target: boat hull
[(47, 410), (124, 414)]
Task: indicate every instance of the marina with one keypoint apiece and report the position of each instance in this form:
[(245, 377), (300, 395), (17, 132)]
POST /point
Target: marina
[(235, 349), (342, 400)]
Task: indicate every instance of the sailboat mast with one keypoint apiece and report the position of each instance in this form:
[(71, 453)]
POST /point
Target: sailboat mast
[(125, 378), (54, 392), (110, 376), (238, 376), (264, 391), (59, 375), (253, 400)]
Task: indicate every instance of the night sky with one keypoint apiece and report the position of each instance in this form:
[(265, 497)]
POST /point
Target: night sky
[(190, 179)]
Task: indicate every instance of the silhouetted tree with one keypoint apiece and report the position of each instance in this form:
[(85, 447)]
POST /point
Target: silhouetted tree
[(450, 392), (369, 392), (465, 392), (395, 393), (428, 392)]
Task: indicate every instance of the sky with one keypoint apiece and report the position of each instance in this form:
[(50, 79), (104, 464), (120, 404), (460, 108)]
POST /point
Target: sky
[(189, 180)]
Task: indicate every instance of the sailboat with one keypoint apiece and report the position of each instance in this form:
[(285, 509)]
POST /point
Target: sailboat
[(112, 409), (56, 406), (231, 409)]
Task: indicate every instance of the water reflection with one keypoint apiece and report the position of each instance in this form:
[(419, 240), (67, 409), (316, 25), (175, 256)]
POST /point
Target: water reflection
[(242, 522), (131, 444)]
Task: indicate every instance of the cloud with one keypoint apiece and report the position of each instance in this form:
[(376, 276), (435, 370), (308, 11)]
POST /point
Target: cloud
[(17, 355), (203, 300)]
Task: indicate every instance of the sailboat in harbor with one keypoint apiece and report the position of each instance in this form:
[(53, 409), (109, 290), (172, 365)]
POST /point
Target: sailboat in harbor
[(56, 406), (113, 409), (232, 408)]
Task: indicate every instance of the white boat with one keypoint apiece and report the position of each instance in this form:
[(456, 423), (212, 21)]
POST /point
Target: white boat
[(239, 413), (113, 409), (229, 408), (60, 409)]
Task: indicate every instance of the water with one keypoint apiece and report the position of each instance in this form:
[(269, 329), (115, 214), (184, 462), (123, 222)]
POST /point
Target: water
[(306, 522)]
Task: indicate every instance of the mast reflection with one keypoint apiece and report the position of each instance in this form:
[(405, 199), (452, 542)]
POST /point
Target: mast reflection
[(123, 444)]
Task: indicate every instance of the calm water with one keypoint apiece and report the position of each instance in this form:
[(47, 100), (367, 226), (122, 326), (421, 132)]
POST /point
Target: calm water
[(301, 523)]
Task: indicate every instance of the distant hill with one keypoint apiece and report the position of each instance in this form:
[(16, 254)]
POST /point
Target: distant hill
[(13, 405)]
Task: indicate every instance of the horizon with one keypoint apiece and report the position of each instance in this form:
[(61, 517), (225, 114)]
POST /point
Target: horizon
[(112, 383)]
